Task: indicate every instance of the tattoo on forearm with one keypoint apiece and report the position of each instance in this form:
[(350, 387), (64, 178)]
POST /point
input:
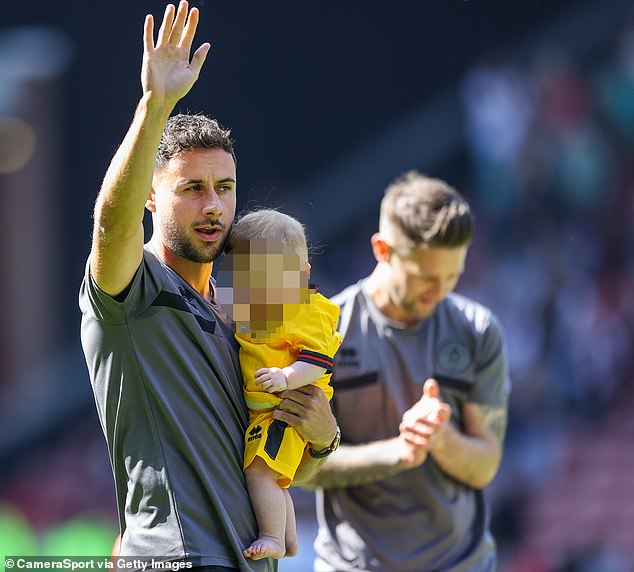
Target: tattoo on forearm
[(494, 419)]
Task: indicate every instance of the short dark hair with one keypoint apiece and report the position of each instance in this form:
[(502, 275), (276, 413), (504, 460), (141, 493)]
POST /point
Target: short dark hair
[(426, 212), (192, 131)]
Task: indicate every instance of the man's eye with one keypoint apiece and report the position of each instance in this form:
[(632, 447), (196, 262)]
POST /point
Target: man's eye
[(223, 189)]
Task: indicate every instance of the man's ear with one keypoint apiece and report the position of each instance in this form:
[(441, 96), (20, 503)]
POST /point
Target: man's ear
[(150, 203), (380, 248)]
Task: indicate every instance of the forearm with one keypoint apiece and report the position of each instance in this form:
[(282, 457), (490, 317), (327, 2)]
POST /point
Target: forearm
[(117, 247), (301, 373), (353, 465), (307, 470), (472, 460), (128, 180)]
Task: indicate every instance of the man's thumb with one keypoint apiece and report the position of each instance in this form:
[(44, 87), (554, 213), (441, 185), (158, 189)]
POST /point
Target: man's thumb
[(430, 389)]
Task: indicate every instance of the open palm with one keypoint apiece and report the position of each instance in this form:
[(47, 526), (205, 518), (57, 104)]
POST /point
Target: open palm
[(167, 72)]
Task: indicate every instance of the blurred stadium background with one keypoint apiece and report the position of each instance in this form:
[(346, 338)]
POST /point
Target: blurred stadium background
[(526, 107)]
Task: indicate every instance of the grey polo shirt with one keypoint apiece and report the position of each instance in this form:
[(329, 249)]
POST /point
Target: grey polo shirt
[(421, 520), (167, 386)]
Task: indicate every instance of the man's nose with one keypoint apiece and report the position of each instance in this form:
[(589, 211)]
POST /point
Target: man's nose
[(212, 205), (439, 290)]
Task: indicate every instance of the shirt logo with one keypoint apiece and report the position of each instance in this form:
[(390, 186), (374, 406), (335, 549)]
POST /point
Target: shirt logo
[(454, 357)]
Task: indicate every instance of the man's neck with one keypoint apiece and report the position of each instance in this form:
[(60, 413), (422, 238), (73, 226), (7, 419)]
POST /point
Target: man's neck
[(380, 298), (196, 274)]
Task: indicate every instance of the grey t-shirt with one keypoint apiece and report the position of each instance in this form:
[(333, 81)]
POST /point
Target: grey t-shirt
[(421, 520), (167, 386)]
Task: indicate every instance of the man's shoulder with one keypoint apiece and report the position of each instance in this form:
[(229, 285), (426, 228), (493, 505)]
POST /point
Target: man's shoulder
[(148, 280), (349, 294), (473, 314)]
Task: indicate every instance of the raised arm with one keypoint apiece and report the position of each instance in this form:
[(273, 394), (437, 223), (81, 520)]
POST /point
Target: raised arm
[(167, 76)]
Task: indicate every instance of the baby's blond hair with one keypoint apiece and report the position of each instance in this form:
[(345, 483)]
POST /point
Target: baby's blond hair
[(273, 225)]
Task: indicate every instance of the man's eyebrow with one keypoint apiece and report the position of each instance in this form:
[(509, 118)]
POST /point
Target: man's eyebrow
[(199, 181)]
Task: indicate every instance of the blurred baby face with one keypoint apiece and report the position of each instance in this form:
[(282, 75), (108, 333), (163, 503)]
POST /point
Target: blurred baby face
[(261, 283)]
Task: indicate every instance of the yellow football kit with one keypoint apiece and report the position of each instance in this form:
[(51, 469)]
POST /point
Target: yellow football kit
[(309, 335)]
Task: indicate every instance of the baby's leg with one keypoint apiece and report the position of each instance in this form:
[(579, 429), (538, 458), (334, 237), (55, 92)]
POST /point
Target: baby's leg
[(292, 543), (269, 504)]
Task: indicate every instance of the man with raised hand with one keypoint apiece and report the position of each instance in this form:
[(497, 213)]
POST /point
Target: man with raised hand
[(162, 364)]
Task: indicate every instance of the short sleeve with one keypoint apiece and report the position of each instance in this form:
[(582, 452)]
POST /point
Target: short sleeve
[(317, 338), (493, 384), (145, 286)]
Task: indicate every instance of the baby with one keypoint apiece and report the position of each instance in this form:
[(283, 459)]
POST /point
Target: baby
[(288, 338)]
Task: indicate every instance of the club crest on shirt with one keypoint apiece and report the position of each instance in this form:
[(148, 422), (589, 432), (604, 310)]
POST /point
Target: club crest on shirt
[(454, 357)]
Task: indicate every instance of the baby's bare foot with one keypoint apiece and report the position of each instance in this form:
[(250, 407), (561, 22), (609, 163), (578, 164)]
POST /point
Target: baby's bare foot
[(265, 547)]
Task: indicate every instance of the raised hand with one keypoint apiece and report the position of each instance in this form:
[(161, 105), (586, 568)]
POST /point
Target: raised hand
[(271, 379), (167, 73)]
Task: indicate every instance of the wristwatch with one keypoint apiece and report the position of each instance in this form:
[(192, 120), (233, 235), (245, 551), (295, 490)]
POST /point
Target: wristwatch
[(330, 449)]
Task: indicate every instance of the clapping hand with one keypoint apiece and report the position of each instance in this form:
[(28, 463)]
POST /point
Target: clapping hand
[(422, 424)]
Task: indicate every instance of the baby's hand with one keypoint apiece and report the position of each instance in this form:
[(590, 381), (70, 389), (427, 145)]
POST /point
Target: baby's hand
[(271, 379)]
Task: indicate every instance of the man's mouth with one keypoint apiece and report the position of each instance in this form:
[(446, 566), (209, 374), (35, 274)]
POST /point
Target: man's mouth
[(209, 232)]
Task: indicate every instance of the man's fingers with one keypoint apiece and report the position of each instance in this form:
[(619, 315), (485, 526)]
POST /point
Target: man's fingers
[(430, 389), (179, 24), (189, 32), (148, 33), (443, 414), (166, 26), (291, 406), (290, 418), (304, 396), (416, 440)]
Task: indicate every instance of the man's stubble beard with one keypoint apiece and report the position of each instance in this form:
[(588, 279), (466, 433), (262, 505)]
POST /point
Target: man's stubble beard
[(409, 307), (183, 246), (415, 314)]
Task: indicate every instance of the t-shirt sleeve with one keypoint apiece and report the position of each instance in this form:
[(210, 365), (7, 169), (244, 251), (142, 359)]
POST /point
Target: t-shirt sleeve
[(318, 339), (146, 284), (493, 384)]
